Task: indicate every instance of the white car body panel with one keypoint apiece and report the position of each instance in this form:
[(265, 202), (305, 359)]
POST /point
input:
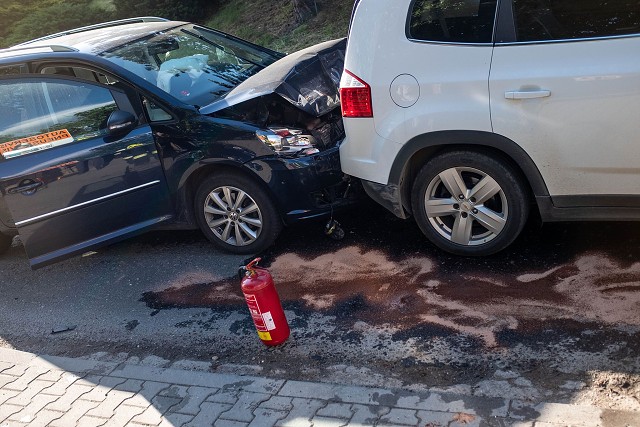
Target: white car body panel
[(585, 136), (455, 99)]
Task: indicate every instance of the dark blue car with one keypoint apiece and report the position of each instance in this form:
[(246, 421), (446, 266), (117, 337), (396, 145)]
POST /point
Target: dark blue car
[(110, 130)]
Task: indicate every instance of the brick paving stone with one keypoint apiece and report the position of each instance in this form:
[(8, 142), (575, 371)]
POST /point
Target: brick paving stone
[(466, 420), (243, 409), (336, 410), (123, 415), (67, 364), (229, 423), (150, 416), (28, 394), (174, 391), (74, 413), (149, 390), (278, 403), (104, 386), (224, 396), (6, 395), (434, 418), (61, 385), (86, 421), (44, 417), (202, 379), (175, 420), (364, 415), (302, 412), (6, 379), (209, 411), (6, 365), (165, 403), (115, 397), (153, 415), (7, 410), (64, 403), (190, 405), (16, 370), (266, 417), (396, 416), (52, 375), (557, 413), (29, 412), (25, 377), (328, 422)]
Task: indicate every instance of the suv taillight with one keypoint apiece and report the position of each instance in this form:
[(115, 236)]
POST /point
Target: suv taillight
[(355, 96)]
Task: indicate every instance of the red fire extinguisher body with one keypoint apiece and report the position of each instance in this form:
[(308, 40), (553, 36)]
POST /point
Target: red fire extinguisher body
[(264, 305)]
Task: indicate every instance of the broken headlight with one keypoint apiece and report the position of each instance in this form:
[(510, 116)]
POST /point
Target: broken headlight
[(288, 141)]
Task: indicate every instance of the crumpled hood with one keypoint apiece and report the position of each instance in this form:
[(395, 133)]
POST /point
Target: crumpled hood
[(309, 79)]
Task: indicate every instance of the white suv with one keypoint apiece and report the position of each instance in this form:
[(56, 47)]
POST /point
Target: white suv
[(468, 113)]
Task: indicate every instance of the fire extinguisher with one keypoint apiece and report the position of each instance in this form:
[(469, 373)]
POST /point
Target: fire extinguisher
[(264, 304)]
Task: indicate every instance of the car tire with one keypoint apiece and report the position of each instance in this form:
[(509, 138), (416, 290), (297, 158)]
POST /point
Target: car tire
[(5, 242), (235, 214), (487, 213)]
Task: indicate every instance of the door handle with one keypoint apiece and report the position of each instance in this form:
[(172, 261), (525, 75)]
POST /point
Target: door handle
[(527, 94), (26, 188)]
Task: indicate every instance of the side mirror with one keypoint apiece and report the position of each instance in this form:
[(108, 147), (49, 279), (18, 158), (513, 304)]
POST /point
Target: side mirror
[(121, 122)]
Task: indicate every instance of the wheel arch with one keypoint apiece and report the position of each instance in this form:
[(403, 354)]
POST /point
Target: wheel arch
[(416, 151), (189, 187)]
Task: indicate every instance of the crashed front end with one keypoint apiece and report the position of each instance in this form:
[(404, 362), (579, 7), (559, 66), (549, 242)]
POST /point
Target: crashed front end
[(294, 105)]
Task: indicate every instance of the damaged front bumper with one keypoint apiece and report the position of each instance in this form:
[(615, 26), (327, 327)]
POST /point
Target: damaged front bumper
[(307, 186)]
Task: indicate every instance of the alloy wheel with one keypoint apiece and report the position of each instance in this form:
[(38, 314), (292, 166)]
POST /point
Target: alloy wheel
[(466, 206), (233, 216)]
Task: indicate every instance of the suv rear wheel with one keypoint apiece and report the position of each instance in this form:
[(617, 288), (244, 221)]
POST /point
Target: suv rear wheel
[(235, 214), (468, 203)]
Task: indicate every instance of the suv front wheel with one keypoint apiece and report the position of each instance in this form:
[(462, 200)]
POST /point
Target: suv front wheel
[(468, 203)]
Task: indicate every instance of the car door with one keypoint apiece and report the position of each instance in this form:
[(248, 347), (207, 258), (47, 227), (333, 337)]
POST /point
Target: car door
[(69, 183), (565, 85)]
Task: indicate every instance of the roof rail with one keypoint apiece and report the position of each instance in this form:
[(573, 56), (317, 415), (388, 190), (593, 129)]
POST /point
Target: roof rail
[(34, 49), (98, 26)]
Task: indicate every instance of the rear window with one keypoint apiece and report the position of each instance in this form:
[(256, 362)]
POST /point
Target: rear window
[(463, 21), (539, 20)]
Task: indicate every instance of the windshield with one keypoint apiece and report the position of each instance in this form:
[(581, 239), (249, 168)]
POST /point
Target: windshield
[(196, 65)]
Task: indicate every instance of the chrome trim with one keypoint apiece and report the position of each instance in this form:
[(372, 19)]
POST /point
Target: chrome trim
[(449, 43), (623, 36), (88, 202)]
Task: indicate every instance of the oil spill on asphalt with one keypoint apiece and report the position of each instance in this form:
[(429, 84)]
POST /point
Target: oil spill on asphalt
[(385, 273)]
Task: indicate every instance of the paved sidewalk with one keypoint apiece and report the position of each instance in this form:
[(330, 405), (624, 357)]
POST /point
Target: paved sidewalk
[(66, 392)]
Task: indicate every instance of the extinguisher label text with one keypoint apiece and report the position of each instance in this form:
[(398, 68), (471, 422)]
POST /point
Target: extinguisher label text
[(259, 320)]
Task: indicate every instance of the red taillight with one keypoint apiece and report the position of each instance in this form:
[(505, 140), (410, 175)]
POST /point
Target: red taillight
[(355, 96)]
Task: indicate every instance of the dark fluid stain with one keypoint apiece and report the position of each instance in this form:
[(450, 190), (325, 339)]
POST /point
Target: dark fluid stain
[(470, 282), (207, 295), (542, 246)]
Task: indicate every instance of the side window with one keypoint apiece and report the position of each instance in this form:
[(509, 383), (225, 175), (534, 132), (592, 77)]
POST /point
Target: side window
[(40, 115), (455, 21), (155, 113), (539, 20), (80, 73)]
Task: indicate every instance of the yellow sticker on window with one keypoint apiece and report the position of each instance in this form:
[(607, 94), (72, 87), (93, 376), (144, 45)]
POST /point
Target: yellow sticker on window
[(31, 144)]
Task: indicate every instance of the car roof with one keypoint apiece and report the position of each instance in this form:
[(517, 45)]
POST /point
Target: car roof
[(102, 37)]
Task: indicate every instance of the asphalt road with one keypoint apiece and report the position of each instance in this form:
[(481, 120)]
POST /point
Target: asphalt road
[(555, 317)]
